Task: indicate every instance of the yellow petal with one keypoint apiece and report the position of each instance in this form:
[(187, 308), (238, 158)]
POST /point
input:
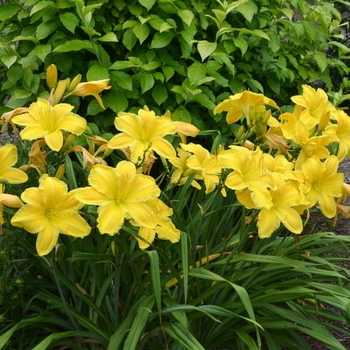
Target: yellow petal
[(327, 205), (290, 219), (90, 195), (31, 218), (168, 231), (14, 176), (120, 141), (54, 140), (110, 218), (268, 223), (148, 234), (71, 122), (130, 124), (10, 200), (141, 213), (141, 188), (164, 148), (104, 179), (47, 239), (72, 224)]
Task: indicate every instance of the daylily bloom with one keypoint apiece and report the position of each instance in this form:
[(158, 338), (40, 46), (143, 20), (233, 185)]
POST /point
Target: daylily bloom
[(313, 146), (142, 133), (9, 200), (246, 104), (324, 183), (284, 198), (182, 171), (340, 133), (205, 164), (249, 172), (120, 193), (165, 229), (91, 88), (50, 210), (8, 158), (315, 103), (46, 121)]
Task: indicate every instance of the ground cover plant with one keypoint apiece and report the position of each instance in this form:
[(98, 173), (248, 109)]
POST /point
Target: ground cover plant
[(150, 240), (169, 154)]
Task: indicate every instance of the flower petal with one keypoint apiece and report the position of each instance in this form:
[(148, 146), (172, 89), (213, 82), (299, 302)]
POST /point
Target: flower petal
[(47, 239), (14, 176), (164, 148), (141, 213), (110, 218), (120, 141), (72, 122), (31, 217), (290, 219), (72, 224), (54, 140), (104, 179), (89, 195), (268, 223), (148, 234)]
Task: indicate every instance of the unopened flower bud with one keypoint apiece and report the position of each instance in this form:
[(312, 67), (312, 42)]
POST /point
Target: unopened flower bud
[(74, 83), (60, 90), (60, 171), (51, 76)]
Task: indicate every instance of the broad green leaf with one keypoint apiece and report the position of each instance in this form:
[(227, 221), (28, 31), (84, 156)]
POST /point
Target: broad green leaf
[(151, 65), (161, 40), (69, 20), (141, 31), (138, 324), (129, 39), (248, 10), (146, 81), (64, 4), (42, 51), (29, 38), (96, 72), (117, 101), (123, 80), (186, 16), (8, 11), (206, 48), (121, 65), (94, 108), (159, 93), (20, 93), (241, 44), (44, 29), (109, 38), (41, 5), (321, 60), (168, 72), (182, 114), (8, 60), (287, 12), (147, 3), (74, 45), (196, 72), (203, 99)]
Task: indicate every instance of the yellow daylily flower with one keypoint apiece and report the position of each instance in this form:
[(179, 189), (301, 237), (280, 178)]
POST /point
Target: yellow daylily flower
[(323, 184), (165, 229), (249, 172), (50, 210), (182, 171), (288, 122), (313, 146), (315, 103), (284, 198), (246, 104), (142, 133), (46, 121), (340, 133), (9, 200), (120, 192), (91, 88), (8, 158), (205, 164)]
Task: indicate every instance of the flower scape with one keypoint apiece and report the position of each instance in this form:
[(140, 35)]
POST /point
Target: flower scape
[(128, 187)]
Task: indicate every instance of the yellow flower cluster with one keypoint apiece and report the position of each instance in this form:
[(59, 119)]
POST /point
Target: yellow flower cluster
[(296, 173)]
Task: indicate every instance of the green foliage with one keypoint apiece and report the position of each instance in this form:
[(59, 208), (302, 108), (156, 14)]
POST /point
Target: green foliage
[(182, 56)]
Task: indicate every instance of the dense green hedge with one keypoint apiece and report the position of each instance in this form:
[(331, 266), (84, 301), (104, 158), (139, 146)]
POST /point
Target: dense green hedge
[(182, 56)]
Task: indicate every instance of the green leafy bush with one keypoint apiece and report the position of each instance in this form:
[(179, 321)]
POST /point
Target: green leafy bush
[(182, 56)]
